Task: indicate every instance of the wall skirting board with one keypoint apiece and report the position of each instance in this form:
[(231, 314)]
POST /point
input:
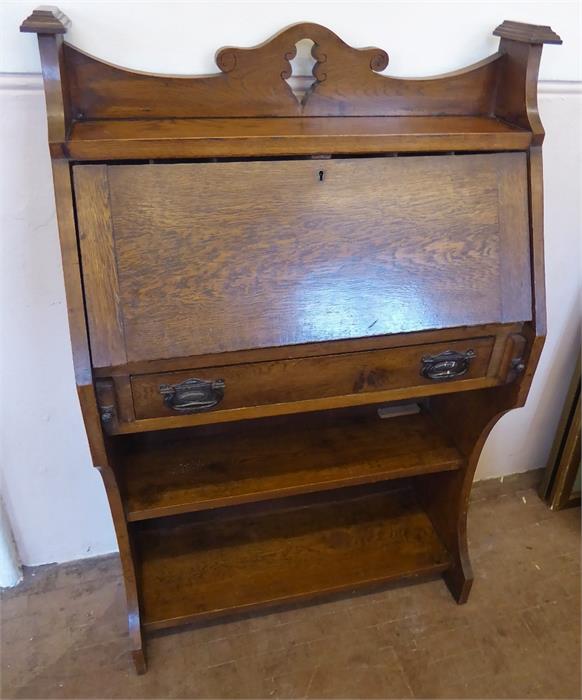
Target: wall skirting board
[(53, 497), (10, 569)]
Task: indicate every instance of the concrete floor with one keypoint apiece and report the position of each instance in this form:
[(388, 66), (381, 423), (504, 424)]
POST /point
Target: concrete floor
[(64, 635)]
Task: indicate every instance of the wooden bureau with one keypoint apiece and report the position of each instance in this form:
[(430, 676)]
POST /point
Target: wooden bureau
[(294, 320)]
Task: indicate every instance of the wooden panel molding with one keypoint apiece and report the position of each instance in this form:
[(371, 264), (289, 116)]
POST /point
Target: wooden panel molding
[(99, 264)]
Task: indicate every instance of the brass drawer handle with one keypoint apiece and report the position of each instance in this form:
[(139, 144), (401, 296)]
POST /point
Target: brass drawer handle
[(449, 364), (193, 395)]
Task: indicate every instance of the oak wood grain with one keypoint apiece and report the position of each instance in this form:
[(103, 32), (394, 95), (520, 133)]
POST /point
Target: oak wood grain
[(374, 247), (99, 262)]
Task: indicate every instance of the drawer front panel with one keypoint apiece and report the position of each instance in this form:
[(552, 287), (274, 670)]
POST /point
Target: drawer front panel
[(199, 258), (287, 381)]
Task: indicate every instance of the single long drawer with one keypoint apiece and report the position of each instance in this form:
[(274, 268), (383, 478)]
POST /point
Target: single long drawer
[(359, 374)]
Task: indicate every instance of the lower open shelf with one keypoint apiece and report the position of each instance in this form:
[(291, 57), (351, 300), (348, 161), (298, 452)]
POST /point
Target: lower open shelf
[(235, 559)]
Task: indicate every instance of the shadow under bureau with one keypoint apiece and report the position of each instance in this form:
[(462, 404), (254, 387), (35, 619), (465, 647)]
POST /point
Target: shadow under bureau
[(294, 319)]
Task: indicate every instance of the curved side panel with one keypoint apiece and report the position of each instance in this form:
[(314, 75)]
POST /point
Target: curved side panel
[(127, 565), (517, 98), (252, 83), (468, 419), (87, 399)]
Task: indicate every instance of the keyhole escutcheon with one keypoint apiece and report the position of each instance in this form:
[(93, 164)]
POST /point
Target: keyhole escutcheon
[(321, 175)]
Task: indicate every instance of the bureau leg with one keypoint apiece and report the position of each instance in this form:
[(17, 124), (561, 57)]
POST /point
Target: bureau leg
[(138, 654), (443, 498), (459, 581), (459, 578), (139, 661)]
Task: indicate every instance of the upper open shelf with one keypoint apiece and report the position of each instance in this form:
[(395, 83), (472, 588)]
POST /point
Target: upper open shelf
[(100, 111), (208, 138)]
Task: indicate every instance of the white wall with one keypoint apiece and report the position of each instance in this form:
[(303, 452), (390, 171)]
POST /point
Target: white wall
[(54, 498), (422, 38)]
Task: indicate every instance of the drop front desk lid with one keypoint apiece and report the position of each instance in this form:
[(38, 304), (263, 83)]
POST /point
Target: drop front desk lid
[(222, 256)]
